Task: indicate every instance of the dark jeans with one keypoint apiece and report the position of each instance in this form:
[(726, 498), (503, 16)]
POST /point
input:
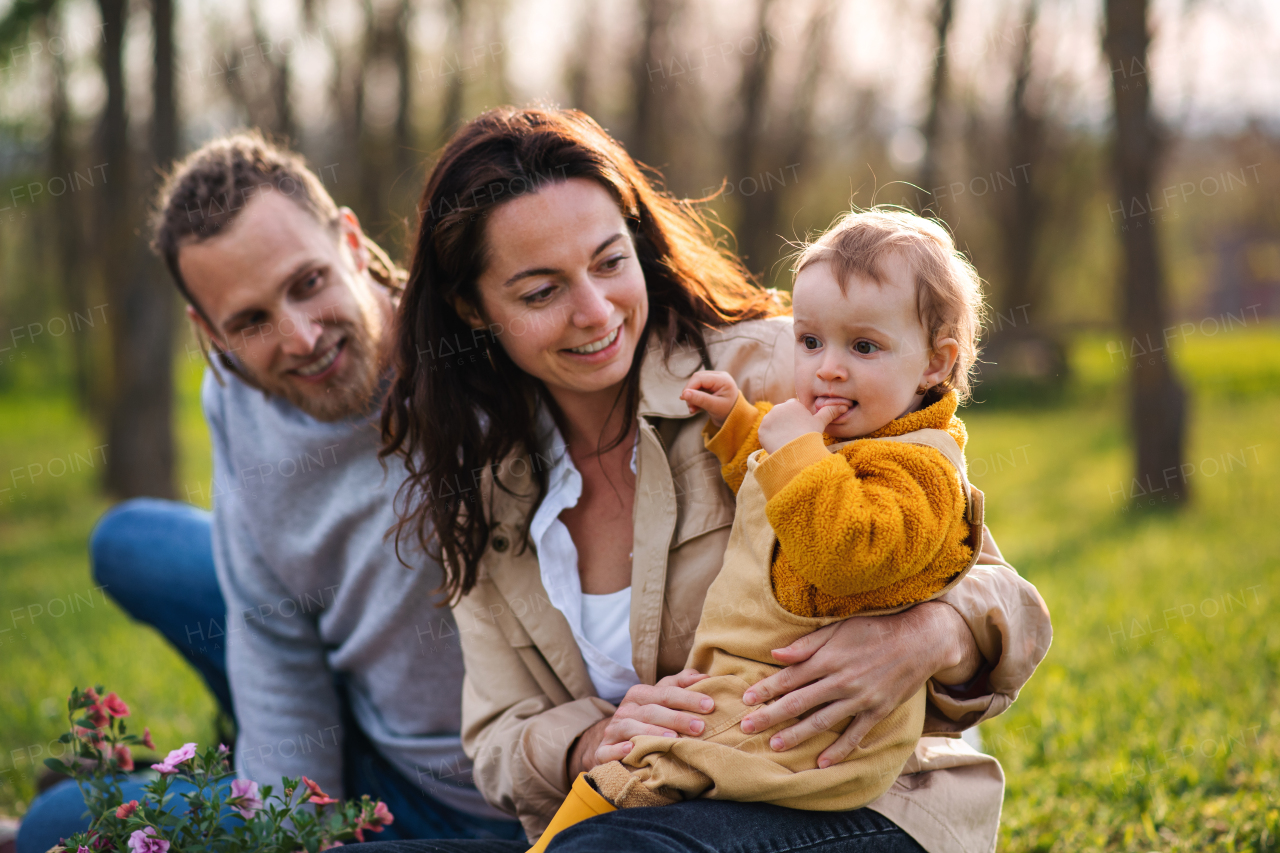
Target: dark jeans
[(155, 558), (701, 826)]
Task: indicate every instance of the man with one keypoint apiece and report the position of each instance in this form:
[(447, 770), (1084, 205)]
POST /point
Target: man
[(340, 665)]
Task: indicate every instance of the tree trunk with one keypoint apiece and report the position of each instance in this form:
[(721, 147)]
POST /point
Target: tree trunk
[(1157, 401), (651, 84), (748, 140), (1023, 210), (279, 76), (139, 421), (73, 272), (758, 216), (932, 129), (451, 113), (580, 59), (405, 157)]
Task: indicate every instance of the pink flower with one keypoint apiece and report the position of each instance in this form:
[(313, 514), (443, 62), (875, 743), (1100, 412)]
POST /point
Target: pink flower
[(329, 844), (223, 749), (146, 841), (376, 822), (92, 735), (127, 809), (82, 849), (249, 800), (91, 694), (124, 757), (146, 738), (171, 761), (320, 798), (115, 706), (97, 715), (382, 816)]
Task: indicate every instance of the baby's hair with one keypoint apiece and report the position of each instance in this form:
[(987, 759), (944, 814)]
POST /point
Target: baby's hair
[(949, 292)]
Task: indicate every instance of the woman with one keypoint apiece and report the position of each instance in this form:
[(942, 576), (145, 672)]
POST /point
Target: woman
[(556, 303)]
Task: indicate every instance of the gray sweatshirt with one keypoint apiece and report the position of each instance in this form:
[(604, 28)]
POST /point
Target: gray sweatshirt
[(314, 589)]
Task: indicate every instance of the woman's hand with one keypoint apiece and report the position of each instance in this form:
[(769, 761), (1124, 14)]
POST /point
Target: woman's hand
[(658, 710), (863, 667), (714, 392)]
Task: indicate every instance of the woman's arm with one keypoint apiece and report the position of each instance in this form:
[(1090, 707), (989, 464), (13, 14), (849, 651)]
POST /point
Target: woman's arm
[(992, 624), (527, 736), (666, 709)]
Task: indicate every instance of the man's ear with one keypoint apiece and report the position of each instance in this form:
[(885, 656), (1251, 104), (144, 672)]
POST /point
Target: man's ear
[(942, 357), (353, 237), (202, 324), (468, 313)]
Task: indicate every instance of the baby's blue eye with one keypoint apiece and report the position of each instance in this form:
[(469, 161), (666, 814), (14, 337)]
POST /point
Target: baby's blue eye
[(865, 347)]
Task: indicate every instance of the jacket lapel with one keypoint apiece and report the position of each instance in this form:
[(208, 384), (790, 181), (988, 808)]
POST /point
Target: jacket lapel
[(516, 574)]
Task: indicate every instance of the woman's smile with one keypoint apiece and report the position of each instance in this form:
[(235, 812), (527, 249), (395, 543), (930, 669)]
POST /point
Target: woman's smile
[(602, 348)]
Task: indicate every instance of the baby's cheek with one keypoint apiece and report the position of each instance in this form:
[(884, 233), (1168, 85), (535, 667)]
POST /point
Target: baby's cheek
[(804, 389)]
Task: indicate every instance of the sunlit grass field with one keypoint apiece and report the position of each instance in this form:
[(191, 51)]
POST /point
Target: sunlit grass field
[(56, 627), (1152, 724)]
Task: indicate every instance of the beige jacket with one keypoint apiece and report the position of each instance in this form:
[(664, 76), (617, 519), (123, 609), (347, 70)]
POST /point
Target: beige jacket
[(527, 695)]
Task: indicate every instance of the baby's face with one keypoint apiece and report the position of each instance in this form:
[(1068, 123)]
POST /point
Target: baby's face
[(864, 348)]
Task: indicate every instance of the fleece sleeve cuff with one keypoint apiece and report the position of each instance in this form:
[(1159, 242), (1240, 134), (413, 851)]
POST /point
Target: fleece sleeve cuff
[(779, 469), (724, 443)]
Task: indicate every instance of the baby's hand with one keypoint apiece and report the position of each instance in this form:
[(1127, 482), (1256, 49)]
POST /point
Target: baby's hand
[(788, 421), (712, 391)]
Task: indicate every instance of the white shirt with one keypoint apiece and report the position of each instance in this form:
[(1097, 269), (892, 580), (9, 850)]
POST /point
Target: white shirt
[(601, 624)]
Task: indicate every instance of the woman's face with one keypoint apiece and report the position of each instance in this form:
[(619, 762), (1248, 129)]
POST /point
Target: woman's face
[(562, 288)]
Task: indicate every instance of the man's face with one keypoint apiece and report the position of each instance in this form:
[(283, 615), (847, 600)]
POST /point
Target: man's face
[(291, 299)]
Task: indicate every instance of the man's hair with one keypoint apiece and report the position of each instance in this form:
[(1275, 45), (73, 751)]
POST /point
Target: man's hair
[(205, 193), (948, 290)]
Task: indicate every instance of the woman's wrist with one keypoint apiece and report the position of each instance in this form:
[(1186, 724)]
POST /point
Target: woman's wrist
[(957, 658), (582, 755)]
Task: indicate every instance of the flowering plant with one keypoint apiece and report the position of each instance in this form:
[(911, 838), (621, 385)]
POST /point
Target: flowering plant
[(221, 814)]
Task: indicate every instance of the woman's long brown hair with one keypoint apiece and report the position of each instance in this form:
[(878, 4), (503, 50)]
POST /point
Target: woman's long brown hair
[(452, 419)]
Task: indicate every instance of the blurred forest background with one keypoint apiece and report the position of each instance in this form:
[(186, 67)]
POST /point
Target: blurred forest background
[(1120, 197)]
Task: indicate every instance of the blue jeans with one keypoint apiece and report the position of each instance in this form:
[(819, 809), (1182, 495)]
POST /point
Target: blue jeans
[(701, 826), (155, 558)]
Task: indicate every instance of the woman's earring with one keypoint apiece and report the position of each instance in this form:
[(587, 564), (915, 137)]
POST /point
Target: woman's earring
[(923, 389), (489, 355)]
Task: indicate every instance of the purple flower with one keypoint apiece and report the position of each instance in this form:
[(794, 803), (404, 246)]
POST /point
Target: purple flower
[(250, 801), (83, 849), (171, 761), (145, 841)]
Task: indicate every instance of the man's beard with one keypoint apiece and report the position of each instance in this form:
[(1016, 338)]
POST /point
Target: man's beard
[(352, 392)]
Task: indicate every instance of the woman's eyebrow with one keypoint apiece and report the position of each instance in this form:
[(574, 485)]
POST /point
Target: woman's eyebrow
[(529, 273)]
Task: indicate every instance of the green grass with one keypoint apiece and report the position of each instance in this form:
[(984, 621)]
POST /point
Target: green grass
[(1151, 725), (47, 645)]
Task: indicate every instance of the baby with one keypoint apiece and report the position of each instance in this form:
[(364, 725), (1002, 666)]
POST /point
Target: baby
[(852, 499)]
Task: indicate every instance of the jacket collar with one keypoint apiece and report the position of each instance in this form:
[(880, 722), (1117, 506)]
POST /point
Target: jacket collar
[(662, 380)]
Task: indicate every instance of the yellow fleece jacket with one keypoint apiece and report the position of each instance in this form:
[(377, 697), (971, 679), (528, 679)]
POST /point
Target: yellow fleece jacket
[(877, 524)]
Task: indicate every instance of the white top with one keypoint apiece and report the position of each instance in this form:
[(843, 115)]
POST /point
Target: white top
[(601, 624)]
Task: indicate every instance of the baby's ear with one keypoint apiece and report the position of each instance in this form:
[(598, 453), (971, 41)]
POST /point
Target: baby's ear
[(942, 360)]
